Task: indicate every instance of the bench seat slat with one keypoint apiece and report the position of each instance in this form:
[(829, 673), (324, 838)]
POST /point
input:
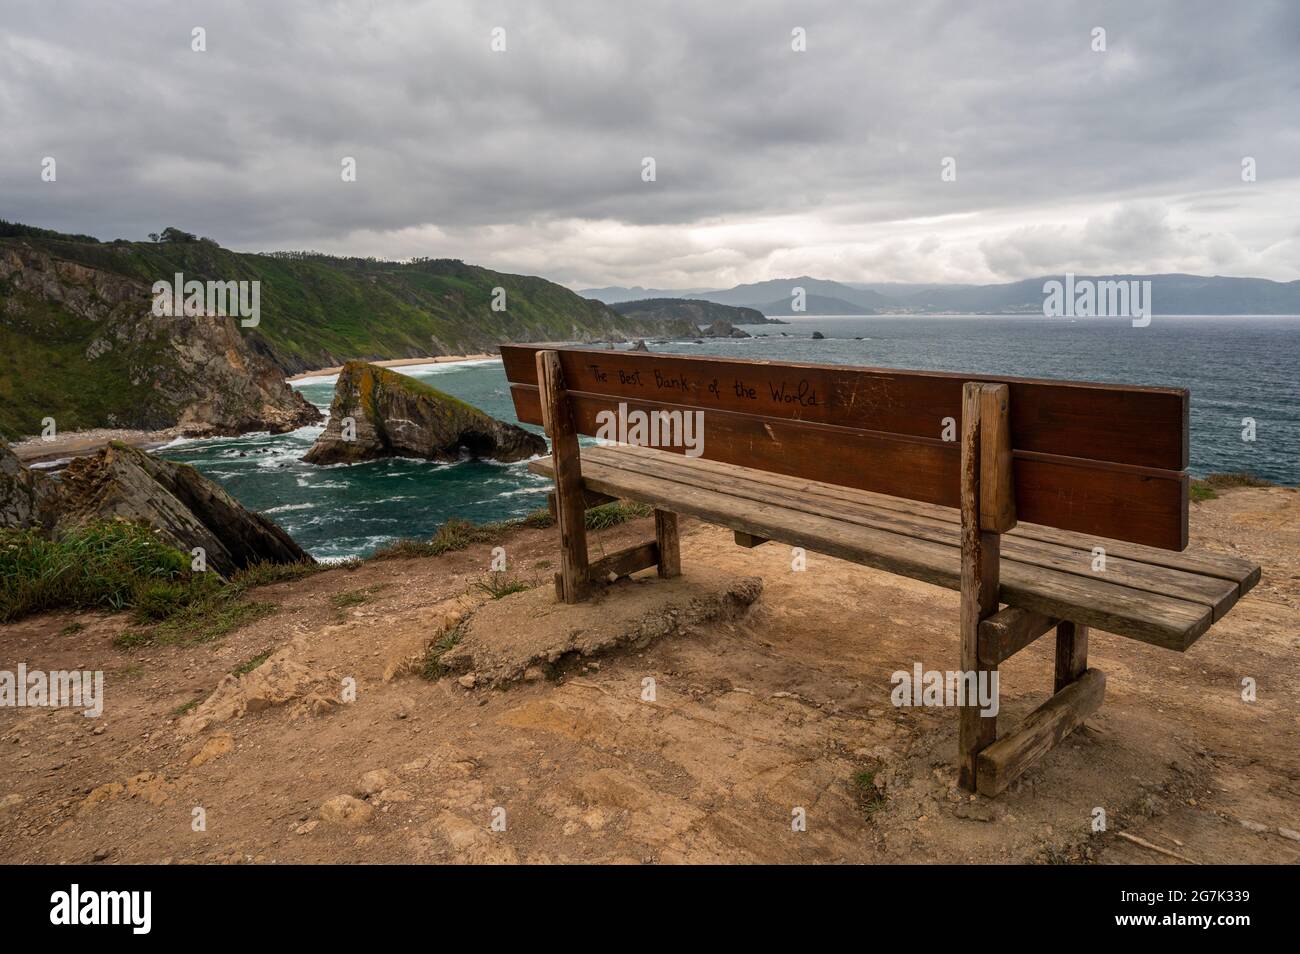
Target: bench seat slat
[(1218, 594), (1241, 573), (1161, 620)]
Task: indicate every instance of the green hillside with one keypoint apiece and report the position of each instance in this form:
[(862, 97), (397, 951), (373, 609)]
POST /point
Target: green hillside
[(319, 310), (82, 346)]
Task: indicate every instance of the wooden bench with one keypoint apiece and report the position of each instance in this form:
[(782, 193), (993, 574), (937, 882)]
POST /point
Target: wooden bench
[(1047, 504)]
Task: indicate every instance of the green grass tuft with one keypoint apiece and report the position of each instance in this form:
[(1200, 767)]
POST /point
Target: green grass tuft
[(348, 598), (869, 797), (199, 622), (616, 512), (251, 664), (103, 565), (458, 534), (433, 667), (541, 519), (266, 573), (497, 585), (185, 707), (1208, 489)]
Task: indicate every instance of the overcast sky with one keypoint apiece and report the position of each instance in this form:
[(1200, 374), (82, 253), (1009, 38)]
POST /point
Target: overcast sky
[(769, 162)]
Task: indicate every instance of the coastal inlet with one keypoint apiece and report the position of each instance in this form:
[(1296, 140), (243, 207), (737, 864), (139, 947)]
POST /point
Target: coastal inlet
[(345, 510)]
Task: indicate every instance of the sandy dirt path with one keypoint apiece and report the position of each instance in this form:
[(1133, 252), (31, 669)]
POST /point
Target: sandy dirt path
[(783, 708)]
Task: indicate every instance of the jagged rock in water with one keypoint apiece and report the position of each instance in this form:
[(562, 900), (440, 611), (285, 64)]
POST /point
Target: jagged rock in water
[(184, 507), (724, 329), (818, 336), (639, 346), (393, 415), (27, 497)]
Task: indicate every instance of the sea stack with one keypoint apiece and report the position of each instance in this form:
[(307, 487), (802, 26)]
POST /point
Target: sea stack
[(380, 413)]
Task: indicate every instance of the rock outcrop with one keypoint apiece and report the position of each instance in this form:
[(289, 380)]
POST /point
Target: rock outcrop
[(27, 498), (380, 413), (120, 365), (185, 508)]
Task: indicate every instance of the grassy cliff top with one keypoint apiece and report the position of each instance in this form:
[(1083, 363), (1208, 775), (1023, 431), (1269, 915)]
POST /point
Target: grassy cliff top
[(320, 310)]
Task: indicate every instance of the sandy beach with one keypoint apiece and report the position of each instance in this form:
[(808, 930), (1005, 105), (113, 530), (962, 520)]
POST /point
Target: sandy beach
[(402, 363), (38, 450)]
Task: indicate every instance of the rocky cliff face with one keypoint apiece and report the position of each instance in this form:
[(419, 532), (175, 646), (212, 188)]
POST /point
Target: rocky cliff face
[(186, 509), (27, 498), (87, 351), (380, 413)]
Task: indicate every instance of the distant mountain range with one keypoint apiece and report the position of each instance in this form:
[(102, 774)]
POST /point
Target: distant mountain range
[(1173, 294)]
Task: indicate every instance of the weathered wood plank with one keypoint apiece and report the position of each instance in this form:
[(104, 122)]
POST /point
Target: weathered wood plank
[(1114, 500), (749, 540), (626, 561), (1241, 573), (997, 494), (1007, 759), (1007, 632), (1071, 653), (1152, 618), (815, 498), (667, 540), (569, 493), (1122, 424), (979, 574)]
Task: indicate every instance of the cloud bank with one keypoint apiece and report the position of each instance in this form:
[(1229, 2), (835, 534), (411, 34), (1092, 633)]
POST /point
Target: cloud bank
[(769, 162)]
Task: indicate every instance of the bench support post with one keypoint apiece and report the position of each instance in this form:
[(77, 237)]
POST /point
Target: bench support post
[(670, 556), (1071, 653), (570, 500), (987, 510)]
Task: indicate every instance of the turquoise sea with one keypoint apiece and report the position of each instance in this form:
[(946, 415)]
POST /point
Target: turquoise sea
[(1235, 368)]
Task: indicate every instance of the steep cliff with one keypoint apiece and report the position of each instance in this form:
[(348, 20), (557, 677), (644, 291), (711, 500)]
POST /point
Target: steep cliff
[(80, 344), (380, 413), (27, 497)]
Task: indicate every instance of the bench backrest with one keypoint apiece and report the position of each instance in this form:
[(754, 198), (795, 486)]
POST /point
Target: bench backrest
[(1101, 459)]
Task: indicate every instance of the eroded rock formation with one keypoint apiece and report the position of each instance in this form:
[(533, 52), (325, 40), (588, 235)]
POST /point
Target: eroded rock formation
[(380, 413)]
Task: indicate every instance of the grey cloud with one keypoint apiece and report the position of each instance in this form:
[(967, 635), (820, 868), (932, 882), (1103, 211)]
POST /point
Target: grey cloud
[(243, 142)]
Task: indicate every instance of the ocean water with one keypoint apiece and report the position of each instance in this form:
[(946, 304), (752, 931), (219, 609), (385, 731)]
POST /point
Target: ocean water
[(1235, 368)]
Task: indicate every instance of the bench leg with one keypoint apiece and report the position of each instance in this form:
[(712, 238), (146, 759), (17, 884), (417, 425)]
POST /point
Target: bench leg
[(570, 503), (1071, 653), (670, 557), (979, 588), (984, 435)]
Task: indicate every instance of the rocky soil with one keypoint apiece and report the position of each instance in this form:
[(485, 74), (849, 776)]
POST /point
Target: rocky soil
[(700, 744)]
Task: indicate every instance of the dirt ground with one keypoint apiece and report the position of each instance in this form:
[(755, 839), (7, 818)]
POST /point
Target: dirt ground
[(756, 713)]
